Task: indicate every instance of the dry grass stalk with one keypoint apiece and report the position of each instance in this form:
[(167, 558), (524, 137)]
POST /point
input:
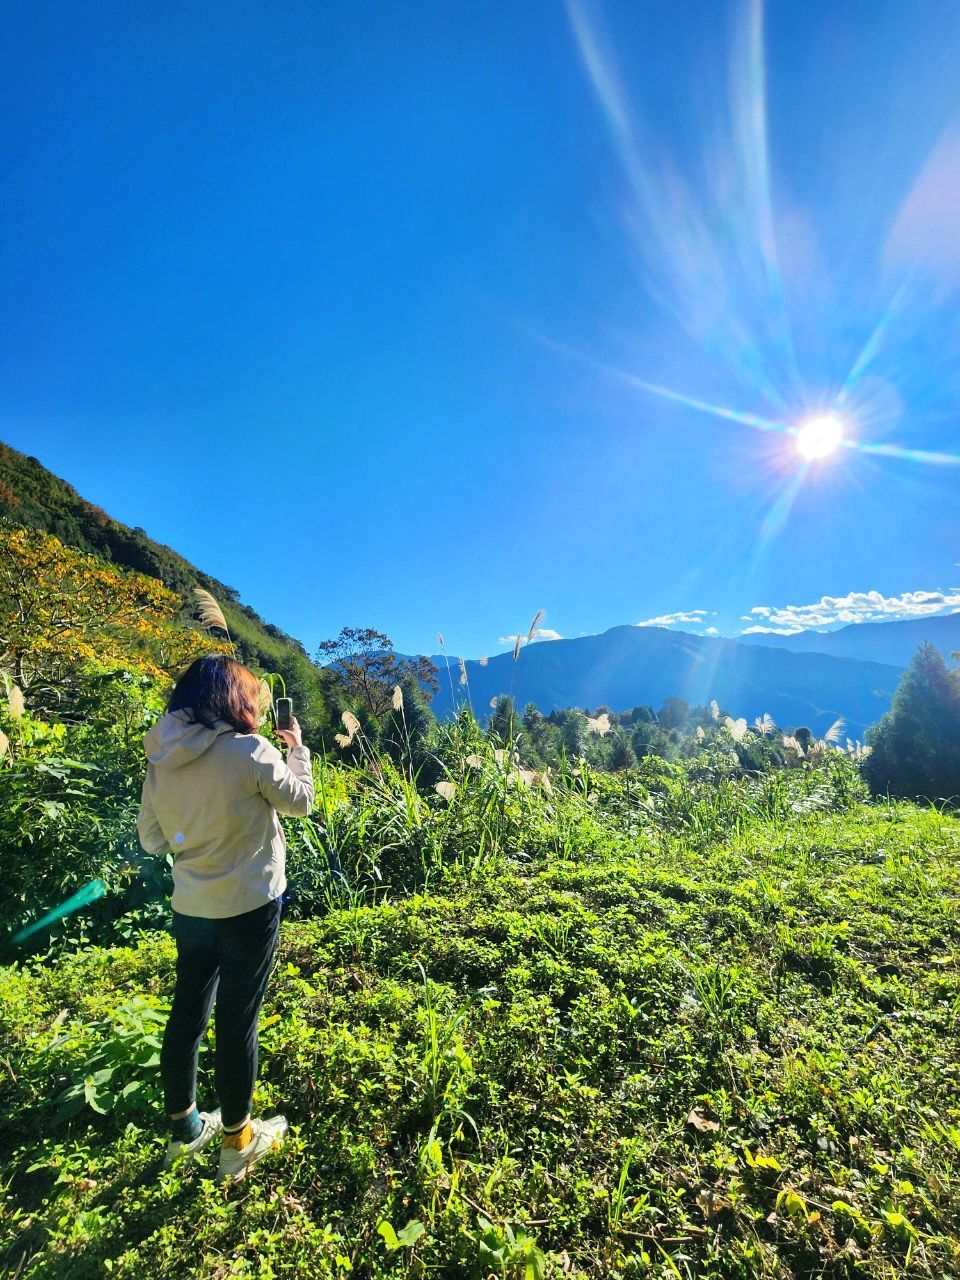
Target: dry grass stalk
[(446, 662), (397, 698), (264, 698), (484, 660), (209, 612), (352, 726), (715, 710), (599, 725), (833, 733), (446, 789), (737, 728), (4, 744), (534, 624), (524, 777), (15, 703), (463, 671), (792, 746)]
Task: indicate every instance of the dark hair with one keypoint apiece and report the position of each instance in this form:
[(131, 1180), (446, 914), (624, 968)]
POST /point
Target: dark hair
[(218, 688)]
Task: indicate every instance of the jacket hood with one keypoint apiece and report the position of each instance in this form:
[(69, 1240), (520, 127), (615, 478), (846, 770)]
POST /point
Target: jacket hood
[(174, 741)]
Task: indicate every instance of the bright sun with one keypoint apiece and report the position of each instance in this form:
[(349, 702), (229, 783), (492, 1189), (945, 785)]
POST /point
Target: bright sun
[(819, 437)]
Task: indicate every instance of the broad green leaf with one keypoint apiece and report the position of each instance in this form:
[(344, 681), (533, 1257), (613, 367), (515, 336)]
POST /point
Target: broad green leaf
[(411, 1233), (390, 1238)]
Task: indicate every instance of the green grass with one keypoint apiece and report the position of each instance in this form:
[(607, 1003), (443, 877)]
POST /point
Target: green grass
[(656, 1053)]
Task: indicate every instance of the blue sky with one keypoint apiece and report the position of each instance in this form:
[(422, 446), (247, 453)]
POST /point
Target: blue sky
[(360, 306)]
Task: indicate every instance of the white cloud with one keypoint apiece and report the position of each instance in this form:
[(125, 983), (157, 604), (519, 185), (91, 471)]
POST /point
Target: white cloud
[(858, 606), (541, 633), (711, 631), (691, 617), (771, 631)]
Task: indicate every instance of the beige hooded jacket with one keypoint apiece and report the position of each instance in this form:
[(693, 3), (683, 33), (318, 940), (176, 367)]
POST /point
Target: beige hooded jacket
[(211, 798)]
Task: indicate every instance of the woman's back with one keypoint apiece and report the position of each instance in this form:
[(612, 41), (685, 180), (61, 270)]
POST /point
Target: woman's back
[(211, 797)]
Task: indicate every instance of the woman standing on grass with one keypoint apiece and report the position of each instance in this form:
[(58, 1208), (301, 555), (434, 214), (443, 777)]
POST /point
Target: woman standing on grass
[(211, 797)]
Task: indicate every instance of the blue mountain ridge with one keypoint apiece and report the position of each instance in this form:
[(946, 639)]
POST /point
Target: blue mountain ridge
[(891, 642), (629, 665)]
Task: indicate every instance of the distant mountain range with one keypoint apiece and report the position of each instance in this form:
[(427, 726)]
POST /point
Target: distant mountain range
[(892, 642), (628, 666)]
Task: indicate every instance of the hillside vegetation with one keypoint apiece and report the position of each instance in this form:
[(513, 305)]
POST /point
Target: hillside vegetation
[(652, 995), (33, 497), (704, 1032)]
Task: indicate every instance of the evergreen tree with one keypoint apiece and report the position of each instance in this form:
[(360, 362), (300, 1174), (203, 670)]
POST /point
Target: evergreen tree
[(915, 747), (621, 753), (408, 728), (572, 730), (674, 713), (504, 722), (536, 747), (650, 740)]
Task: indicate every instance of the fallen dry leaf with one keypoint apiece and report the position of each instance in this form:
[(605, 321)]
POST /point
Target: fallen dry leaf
[(696, 1120)]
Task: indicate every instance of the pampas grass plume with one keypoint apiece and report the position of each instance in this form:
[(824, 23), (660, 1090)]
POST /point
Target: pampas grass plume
[(833, 733), (352, 726), (209, 612), (264, 698)]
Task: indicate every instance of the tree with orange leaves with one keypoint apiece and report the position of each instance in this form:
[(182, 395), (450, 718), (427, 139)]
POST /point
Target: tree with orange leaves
[(61, 608)]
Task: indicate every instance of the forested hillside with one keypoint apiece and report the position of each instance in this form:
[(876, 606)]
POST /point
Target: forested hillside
[(32, 496)]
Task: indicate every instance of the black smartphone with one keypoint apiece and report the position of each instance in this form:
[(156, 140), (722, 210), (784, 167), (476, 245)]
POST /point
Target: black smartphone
[(284, 713)]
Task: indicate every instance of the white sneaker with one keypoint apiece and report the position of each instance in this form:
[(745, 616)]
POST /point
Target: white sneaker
[(177, 1150), (236, 1163)]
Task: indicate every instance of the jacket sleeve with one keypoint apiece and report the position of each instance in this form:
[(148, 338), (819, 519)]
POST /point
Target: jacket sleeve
[(286, 784), (148, 828)]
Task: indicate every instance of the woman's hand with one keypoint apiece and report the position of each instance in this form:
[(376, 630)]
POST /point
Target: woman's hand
[(292, 737)]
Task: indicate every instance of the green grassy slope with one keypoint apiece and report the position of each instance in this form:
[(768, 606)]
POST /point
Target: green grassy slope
[(739, 1062), (33, 496)]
